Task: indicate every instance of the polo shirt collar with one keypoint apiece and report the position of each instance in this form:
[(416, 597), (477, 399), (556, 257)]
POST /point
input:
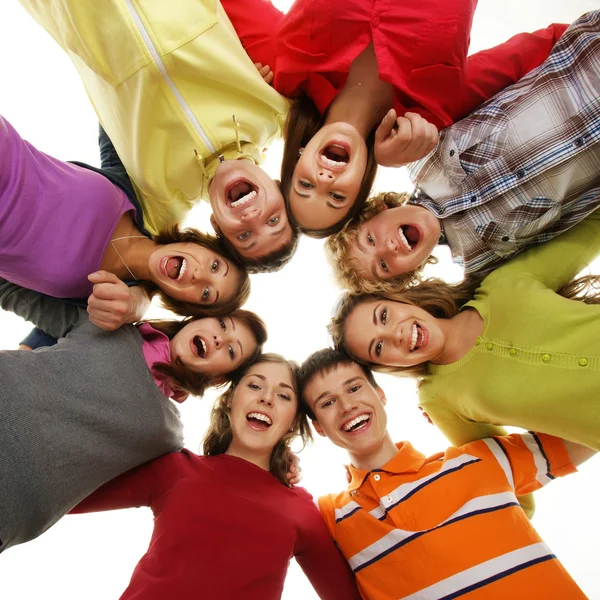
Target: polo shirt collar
[(408, 460)]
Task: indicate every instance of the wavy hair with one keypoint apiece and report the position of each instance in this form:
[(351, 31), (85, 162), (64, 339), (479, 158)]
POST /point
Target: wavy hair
[(442, 300), (182, 377), (303, 122), (174, 235), (339, 249), (219, 435)]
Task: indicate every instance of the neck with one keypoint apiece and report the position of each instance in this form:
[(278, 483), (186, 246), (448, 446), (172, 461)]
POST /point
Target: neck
[(461, 332), (376, 458), (260, 459)]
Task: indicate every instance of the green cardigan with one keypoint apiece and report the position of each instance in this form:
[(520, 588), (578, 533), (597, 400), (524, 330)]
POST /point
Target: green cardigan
[(536, 364)]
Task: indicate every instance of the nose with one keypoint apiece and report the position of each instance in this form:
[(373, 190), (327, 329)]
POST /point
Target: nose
[(348, 403), (398, 336), (250, 215), (325, 176), (218, 341), (267, 399), (196, 275), (392, 244)]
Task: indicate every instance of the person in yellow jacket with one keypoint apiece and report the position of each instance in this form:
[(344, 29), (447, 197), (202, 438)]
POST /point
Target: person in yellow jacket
[(182, 102)]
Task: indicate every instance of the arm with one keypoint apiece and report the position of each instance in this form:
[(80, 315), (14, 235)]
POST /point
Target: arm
[(578, 454), (256, 23), (489, 71), (52, 315), (321, 561), (108, 154)]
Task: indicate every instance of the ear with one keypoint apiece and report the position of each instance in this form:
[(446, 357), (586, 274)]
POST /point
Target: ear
[(381, 395), (214, 224), (277, 182), (318, 428), (218, 380), (383, 206)]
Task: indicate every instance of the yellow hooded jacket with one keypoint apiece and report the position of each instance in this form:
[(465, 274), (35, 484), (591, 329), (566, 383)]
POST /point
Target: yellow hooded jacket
[(166, 79)]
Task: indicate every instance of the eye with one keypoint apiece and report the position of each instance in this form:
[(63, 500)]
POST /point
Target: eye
[(205, 294), (383, 316), (337, 196), (253, 386), (273, 221), (284, 396), (354, 389), (370, 239), (378, 347), (215, 266), (307, 185), (327, 403), (383, 266), (231, 352), (222, 324), (243, 236)]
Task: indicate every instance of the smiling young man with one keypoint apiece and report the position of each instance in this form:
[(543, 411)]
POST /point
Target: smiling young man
[(447, 526)]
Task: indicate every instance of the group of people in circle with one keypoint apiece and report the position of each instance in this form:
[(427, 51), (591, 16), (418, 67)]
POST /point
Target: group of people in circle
[(503, 149)]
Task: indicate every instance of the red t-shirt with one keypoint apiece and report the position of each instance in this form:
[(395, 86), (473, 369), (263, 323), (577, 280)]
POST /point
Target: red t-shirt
[(224, 529), (421, 49)]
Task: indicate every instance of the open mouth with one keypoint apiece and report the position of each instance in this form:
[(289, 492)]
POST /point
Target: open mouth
[(241, 193), (357, 424), (409, 236), (175, 267), (201, 349), (335, 156), (417, 338), (259, 421)]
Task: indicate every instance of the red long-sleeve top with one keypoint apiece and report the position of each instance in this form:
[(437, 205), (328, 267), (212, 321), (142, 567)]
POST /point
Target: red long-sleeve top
[(421, 49), (224, 529)]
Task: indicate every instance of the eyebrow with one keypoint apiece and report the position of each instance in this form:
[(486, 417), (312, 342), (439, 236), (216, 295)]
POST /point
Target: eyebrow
[(232, 323), (227, 271), (374, 323), (334, 207), (302, 195), (278, 231), (250, 246), (216, 297)]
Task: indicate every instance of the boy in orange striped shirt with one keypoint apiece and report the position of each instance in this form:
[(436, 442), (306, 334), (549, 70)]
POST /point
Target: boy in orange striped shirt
[(448, 526)]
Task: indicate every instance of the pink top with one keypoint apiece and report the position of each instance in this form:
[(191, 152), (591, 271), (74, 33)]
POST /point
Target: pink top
[(157, 349)]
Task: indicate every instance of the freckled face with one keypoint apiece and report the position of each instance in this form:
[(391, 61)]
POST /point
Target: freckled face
[(193, 273), (213, 345), (394, 334), (263, 407), (395, 241), (248, 208), (328, 175), (348, 409)]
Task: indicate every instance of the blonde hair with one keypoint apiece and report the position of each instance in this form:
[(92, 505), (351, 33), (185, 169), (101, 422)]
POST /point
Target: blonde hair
[(219, 434), (339, 249), (442, 300)]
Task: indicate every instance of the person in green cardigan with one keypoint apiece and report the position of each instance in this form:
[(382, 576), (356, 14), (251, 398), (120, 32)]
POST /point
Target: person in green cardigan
[(521, 347)]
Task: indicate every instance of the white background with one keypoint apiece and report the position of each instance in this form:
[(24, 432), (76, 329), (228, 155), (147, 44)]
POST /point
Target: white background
[(92, 556)]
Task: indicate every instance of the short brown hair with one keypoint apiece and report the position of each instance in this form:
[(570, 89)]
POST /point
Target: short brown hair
[(303, 122), (174, 235), (181, 377), (339, 251), (324, 361), (219, 435)]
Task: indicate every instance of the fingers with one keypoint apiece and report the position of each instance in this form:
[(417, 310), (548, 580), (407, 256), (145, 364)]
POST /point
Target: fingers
[(265, 72), (386, 127), (103, 277), (108, 305), (294, 473), (25, 347)]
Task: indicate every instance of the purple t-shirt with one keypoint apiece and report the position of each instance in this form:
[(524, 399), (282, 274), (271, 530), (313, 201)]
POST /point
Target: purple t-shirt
[(56, 219)]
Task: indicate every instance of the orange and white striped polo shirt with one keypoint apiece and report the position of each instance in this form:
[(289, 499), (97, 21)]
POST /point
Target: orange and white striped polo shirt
[(450, 526)]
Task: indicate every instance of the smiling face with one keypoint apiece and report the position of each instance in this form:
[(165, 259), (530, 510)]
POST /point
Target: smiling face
[(394, 334), (248, 209), (264, 405), (328, 176), (395, 241), (193, 273), (348, 409), (213, 345)]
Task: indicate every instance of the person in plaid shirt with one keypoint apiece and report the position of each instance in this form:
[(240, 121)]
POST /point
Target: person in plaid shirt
[(520, 170)]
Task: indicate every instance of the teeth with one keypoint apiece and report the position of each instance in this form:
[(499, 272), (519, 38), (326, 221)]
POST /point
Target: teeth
[(244, 199), (332, 163), (415, 335), (182, 269), (203, 346), (259, 417), (348, 426), (404, 240)]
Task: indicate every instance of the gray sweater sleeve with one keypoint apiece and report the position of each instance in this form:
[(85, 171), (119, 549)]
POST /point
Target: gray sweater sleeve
[(52, 315)]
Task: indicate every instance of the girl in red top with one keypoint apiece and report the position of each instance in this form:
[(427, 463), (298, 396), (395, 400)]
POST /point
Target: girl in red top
[(226, 524), (373, 83)]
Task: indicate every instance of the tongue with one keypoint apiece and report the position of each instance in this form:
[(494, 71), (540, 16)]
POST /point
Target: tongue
[(411, 234), (240, 189), (172, 267), (257, 424), (336, 153)]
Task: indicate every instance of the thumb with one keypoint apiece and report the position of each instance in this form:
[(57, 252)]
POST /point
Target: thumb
[(386, 126), (103, 277)]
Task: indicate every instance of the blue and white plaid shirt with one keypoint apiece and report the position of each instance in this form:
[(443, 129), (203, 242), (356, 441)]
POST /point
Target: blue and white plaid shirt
[(525, 166)]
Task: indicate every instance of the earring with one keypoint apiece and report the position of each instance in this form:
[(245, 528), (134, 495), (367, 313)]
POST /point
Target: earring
[(300, 151)]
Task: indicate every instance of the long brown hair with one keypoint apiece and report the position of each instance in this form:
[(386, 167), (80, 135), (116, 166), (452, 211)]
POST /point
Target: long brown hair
[(303, 122), (174, 235), (181, 377), (442, 300), (219, 435), (340, 246)]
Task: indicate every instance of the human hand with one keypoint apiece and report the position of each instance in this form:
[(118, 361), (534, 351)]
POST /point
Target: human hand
[(414, 138), (294, 471), (25, 347), (265, 72), (112, 303)]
